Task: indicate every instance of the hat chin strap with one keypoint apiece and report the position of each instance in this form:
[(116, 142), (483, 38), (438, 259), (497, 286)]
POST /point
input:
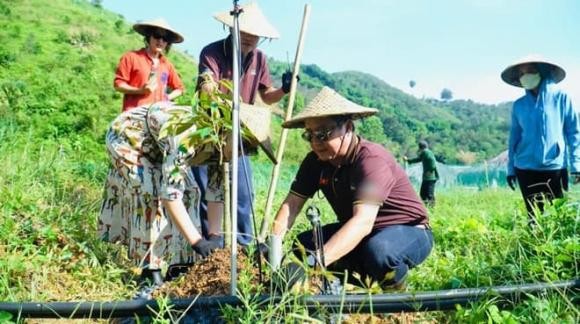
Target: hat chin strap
[(332, 158)]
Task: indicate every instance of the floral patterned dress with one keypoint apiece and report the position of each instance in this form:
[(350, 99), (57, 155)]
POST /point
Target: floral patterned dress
[(146, 170)]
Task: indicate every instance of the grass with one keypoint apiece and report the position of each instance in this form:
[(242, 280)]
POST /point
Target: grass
[(49, 250)]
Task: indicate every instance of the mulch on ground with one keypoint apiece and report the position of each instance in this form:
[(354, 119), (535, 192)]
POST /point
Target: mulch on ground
[(208, 277)]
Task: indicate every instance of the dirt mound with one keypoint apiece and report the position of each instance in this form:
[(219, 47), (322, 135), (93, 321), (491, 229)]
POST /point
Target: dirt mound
[(209, 277)]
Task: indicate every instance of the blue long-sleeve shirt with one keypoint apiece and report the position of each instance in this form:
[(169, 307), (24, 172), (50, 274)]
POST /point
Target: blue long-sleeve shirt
[(545, 131)]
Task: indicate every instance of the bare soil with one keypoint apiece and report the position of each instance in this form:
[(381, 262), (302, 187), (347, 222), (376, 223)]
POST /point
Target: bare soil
[(209, 277)]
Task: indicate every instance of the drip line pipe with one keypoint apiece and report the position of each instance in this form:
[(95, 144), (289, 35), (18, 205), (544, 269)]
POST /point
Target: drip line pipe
[(382, 303)]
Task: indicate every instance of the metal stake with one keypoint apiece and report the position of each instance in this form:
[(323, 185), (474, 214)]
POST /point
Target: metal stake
[(235, 136)]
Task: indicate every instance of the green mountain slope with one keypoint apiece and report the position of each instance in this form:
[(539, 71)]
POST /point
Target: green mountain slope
[(450, 126), (57, 62), (58, 58)]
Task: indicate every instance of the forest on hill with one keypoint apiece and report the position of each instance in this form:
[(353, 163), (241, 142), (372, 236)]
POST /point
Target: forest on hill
[(460, 131), (57, 62)]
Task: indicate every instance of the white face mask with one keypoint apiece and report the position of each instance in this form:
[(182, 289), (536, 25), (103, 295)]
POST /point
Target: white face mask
[(530, 80)]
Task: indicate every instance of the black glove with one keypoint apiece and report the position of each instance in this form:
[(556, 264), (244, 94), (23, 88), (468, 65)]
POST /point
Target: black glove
[(176, 270), (287, 81), (205, 247), (512, 181), (219, 239)]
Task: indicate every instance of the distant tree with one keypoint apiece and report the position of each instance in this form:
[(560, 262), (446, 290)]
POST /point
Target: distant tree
[(466, 157), (446, 94), (119, 25), (371, 128), (412, 83), (97, 3)]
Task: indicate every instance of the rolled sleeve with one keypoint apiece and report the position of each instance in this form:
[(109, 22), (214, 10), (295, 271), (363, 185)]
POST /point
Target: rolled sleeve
[(123, 72), (174, 81)]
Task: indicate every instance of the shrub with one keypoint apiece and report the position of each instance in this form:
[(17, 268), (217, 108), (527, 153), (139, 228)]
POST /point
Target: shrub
[(4, 10), (12, 93), (6, 58), (119, 25), (31, 45), (83, 37)]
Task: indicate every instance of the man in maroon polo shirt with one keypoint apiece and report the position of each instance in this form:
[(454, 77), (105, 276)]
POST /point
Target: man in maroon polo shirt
[(216, 61), (383, 227)]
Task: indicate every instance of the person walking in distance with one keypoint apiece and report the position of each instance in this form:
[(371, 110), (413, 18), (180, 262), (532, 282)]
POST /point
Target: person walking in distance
[(430, 173)]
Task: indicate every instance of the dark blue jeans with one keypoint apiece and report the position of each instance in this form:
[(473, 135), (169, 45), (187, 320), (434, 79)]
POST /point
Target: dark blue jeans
[(245, 199), (395, 248)]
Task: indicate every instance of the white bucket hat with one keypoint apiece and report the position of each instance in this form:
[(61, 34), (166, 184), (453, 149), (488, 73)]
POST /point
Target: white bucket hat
[(143, 27), (252, 21), (328, 103), (511, 74)]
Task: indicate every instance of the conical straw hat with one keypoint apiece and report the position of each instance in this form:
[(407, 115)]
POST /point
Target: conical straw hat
[(511, 74), (252, 21), (143, 26), (328, 103), (257, 120)]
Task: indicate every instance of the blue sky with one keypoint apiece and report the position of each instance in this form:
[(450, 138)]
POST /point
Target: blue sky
[(462, 45)]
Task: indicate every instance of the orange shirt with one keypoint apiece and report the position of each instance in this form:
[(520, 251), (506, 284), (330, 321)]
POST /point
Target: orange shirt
[(134, 69)]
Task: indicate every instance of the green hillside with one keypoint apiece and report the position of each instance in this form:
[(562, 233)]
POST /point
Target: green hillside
[(56, 79), (450, 126), (57, 62)]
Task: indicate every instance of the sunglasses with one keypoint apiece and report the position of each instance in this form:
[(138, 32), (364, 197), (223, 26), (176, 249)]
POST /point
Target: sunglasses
[(165, 37), (322, 135)]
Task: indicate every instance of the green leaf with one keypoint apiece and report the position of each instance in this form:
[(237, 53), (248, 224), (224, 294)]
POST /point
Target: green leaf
[(182, 127), (228, 84), (204, 132), (5, 317), (494, 314), (195, 101), (564, 258), (163, 131)]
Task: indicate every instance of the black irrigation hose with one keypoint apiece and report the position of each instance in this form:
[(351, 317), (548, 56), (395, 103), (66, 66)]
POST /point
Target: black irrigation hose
[(384, 303)]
